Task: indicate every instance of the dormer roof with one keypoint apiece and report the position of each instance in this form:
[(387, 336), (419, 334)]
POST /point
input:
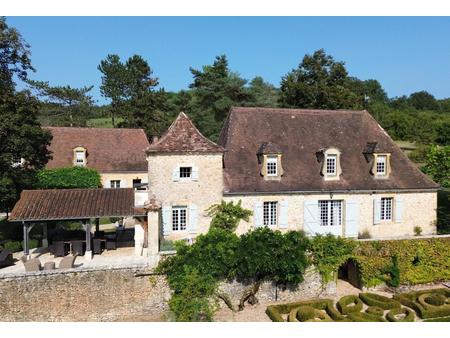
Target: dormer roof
[(183, 137)]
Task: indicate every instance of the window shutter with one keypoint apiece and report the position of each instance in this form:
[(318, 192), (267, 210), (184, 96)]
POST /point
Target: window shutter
[(192, 225), (166, 221), (310, 217), (194, 173), (284, 205), (176, 174), (398, 210), (258, 214), (376, 210), (351, 219)]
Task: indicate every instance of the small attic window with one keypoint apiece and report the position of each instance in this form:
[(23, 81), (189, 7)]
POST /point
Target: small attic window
[(269, 159), (381, 165), (331, 166), (79, 154), (272, 165)]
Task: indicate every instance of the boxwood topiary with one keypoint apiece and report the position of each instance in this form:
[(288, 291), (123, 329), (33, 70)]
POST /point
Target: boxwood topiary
[(372, 299), (409, 315), (433, 299), (305, 313), (364, 317), (375, 310), (274, 314), (411, 299), (349, 304)]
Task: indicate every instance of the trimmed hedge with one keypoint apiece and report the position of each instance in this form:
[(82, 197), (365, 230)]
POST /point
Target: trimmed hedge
[(440, 319), (375, 310), (419, 260), (349, 304), (365, 317), (411, 299), (372, 299), (409, 315), (304, 313)]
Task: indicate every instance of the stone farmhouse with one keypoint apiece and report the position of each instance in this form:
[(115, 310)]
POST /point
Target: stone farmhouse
[(116, 153), (320, 171)]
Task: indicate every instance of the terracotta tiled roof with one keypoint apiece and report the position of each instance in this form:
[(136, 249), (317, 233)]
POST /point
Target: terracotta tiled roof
[(60, 204), (108, 149), (183, 136), (300, 134)]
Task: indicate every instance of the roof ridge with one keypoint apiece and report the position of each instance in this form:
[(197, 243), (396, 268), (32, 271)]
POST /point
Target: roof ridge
[(240, 109), (96, 128)]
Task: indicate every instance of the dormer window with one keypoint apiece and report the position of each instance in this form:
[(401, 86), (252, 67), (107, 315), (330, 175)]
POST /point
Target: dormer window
[(331, 166), (381, 164), (79, 157), (18, 162), (272, 165)]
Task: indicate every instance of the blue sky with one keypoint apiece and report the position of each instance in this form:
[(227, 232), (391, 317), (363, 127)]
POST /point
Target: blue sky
[(404, 54)]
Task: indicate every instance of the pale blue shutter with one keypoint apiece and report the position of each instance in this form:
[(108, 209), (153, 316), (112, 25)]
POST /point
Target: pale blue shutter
[(284, 205), (192, 225), (176, 174), (194, 173), (258, 214), (376, 210), (351, 218), (398, 210), (166, 221), (310, 217)]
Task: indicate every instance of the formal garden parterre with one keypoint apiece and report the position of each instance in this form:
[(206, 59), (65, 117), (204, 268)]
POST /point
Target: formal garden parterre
[(425, 305)]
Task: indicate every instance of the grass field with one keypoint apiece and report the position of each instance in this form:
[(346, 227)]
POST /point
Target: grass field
[(102, 122)]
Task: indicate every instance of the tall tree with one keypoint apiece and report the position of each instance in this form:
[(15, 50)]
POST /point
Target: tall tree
[(215, 90), (318, 82), (64, 105), (133, 93), (423, 101), (262, 94), (23, 144)]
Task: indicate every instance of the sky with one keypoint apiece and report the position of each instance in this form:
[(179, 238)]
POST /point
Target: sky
[(406, 54)]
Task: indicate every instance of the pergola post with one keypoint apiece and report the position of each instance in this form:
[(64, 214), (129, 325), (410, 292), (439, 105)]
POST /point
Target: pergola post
[(97, 225), (44, 236), (26, 239), (87, 228)]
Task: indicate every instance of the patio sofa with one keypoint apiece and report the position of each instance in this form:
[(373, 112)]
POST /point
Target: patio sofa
[(6, 258)]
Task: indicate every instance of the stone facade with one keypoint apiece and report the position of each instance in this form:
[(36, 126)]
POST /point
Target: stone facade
[(419, 209), (203, 192), (126, 178)]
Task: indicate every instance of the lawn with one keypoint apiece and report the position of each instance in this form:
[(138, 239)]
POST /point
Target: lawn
[(102, 122), (425, 305)]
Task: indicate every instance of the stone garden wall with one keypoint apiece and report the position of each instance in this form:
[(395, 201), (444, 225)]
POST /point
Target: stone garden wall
[(125, 294)]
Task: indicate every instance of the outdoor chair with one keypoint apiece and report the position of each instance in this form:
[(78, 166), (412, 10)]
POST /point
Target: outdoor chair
[(67, 262), (33, 265), (6, 258), (97, 246), (59, 248), (78, 248)]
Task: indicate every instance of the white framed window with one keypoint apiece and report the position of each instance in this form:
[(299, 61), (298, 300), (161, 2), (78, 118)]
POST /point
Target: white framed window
[(270, 213), (272, 168), (179, 218), (80, 157), (381, 164), (185, 172), (18, 162), (330, 212), (331, 165), (386, 208), (114, 183)]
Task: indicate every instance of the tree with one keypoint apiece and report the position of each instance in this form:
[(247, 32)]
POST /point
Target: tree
[(215, 90), (319, 82), (21, 136), (133, 94), (228, 215), (69, 178), (438, 165), (423, 101), (262, 94), (65, 105)]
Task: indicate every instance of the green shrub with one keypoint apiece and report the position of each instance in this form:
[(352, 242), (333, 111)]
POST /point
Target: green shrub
[(375, 310), (350, 303), (424, 310), (434, 299), (364, 235), (417, 230), (292, 317), (68, 178), (267, 254), (373, 299), (365, 317), (329, 253), (274, 314), (394, 273), (305, 313), (407, 315), (440, 319), (13, 246), (227, 215)]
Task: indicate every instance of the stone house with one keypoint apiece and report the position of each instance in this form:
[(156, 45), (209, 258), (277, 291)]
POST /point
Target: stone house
[(321, 171), (118, 154)]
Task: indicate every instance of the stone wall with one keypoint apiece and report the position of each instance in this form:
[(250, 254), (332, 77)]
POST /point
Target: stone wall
[(126, 294), (101, 295)]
